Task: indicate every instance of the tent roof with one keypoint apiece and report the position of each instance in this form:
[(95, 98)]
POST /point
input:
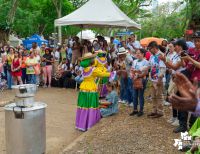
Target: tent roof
[(35, 38), (98, 13)]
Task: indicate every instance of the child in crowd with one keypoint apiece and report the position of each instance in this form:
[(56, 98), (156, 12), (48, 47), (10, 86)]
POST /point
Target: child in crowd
[(61, 68), (79, 77), (2, 81), (109, 106)]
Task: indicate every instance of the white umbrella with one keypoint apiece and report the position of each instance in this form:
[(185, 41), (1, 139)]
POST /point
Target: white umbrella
[(14, 41), (86, 35), (105, 37)]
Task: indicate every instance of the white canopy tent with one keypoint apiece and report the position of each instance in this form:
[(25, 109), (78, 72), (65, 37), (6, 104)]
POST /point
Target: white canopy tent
[(98, 13)]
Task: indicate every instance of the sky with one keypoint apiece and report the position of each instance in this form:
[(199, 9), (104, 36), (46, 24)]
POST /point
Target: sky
[(163, 1)]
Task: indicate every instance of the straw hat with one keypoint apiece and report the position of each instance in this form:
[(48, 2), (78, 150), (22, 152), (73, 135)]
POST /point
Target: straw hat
[(13, 48), (88, 56), (122, 51)]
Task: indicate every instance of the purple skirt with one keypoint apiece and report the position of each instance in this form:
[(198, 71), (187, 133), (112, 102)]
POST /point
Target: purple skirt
[(86, 118), (88, 113)]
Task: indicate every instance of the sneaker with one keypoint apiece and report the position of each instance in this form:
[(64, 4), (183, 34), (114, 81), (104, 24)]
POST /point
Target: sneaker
[(133, 113), (171, 120), (175, 123), (165, 103), (131, 104), (180, 129), (140, 114), (126, 103), (45, 86), (49, 86), (123, 102), (119, 101)]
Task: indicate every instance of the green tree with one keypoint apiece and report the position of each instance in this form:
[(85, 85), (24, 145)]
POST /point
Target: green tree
[(166, 24), (7, 15)]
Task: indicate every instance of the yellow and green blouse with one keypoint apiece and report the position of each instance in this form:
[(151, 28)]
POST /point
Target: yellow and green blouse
[(89, 76)]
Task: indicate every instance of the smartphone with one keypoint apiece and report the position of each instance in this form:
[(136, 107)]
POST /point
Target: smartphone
[(183, 54)]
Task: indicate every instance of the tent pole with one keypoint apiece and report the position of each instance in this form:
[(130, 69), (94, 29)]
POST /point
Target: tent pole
[(81, 33)]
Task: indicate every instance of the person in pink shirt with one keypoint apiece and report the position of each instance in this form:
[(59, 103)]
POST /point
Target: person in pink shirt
[(1, 66)]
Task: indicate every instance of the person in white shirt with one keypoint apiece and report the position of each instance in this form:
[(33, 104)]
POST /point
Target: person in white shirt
[(139, 71), (35, 47), (157, 78), (57, 59), (57, 55), (169, 57), (133, 43)]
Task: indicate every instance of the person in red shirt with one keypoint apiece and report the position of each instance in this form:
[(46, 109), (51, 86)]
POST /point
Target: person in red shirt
[(193, 59), (16, 69)]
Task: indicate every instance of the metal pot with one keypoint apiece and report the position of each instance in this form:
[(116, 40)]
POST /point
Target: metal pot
[(25, 90), (24, 102), (25, 129)]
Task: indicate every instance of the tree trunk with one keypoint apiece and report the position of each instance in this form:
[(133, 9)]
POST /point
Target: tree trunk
[(11, 14), (60, 28), (3, 36), (58, 6), (41, 28)]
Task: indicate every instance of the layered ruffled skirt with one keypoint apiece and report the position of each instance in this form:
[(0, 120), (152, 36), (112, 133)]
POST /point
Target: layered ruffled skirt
[(88, 112)]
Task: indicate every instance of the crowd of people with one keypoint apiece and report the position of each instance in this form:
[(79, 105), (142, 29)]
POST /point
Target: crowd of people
[(169, 70), (118, 71)]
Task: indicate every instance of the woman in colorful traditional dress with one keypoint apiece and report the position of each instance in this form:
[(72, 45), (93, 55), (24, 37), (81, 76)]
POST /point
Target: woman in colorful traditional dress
[(101, 63), (88, 112)]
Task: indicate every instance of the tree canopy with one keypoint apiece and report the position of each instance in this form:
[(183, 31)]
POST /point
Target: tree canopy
[(26, 17)]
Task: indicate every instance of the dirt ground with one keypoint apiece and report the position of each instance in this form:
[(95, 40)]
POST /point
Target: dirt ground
[(124, 134), (118, 134), (60, 115)]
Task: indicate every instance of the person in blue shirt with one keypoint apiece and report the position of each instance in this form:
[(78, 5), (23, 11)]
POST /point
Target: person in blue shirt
[(109, 106)]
